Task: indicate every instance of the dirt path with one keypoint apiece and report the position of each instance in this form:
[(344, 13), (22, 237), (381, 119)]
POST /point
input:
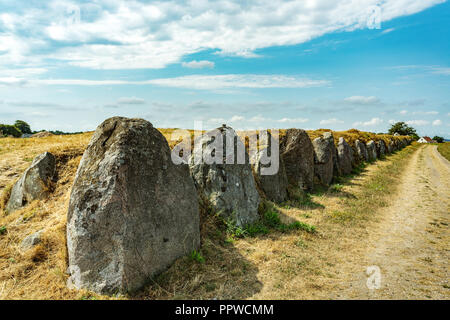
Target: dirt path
[(409, 244)]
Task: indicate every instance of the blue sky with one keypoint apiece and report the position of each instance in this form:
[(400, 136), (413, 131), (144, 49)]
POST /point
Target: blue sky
[(68, 65)]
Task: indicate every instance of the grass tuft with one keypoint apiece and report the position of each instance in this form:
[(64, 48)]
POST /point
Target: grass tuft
[(197, 256)]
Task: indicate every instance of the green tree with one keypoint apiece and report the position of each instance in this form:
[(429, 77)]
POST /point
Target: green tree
[(8, 130), (438, 139), (403, 129), (23, 126)]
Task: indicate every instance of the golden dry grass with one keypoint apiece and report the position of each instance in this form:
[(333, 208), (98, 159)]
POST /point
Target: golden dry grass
[(38, 273), (444, 149), (280, 265)]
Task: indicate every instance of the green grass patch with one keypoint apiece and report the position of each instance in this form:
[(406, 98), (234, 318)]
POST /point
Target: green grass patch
[(301, 244), (269, 222), (305, 200), (342, 216), (197, 256), (336, 188), (2, 230), (359, 168)]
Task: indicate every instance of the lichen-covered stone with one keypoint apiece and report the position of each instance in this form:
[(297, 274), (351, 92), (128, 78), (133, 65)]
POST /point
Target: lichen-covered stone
[(297, 153), (345, 156), (34, 184), (381, 148), (361, 151), (390, 147), (225, 178), (371, 150), (132, 212), (274, 185), (323, 159)]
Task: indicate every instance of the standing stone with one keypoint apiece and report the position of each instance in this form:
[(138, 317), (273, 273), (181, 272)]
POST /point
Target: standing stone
[(274, 185), (398, 145), (297, 153), (345, 156), (390, 146), (132, 212), (361, 150), (225, 177), (372, 150), (323, 159), (381, 148), (34, 184), (405, 142), (337, 170)]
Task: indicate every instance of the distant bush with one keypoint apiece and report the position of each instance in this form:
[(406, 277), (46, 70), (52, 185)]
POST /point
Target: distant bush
[(438, 139), (23, 126), (8, 130)]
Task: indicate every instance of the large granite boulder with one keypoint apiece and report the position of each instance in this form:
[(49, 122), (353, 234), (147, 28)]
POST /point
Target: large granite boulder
[(297, 153), (132, 212), (323, 159), (381, 148), (361, 151), (273, 184), (222, 173), (34, 184), (371, 150), (345, 156)]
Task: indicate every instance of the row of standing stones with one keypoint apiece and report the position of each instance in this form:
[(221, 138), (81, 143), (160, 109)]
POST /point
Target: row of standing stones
[(133, 212)]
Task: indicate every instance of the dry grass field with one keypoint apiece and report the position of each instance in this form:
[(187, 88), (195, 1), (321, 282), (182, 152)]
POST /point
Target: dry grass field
[(444, 149), (270, 261)]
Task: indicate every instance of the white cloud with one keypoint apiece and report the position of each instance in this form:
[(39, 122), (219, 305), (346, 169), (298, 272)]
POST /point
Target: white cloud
[(293, 120), (388, 30), (216, 121), (206, 82), (361, 100), (113, 34), (427, 68), (131, 100), (425, 113), (258, 118), (441, 70), (417, 122), (370, 123), (403, 112), (198, 64), (199, 82), (331, 121), (237, 118), (437, 122), (12, 81), (21, 72)]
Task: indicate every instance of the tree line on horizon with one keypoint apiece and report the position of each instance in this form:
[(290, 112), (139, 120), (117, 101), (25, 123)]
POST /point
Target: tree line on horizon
[(21, 127)]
